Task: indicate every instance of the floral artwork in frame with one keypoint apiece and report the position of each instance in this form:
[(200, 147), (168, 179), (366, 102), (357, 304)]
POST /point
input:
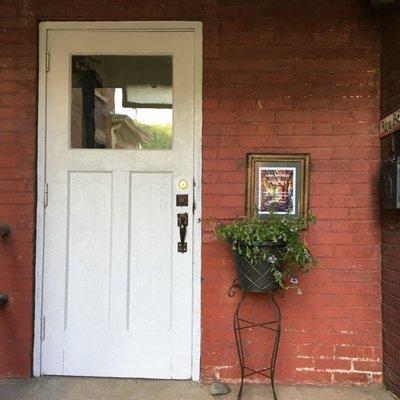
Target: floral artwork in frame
[(277, 183)]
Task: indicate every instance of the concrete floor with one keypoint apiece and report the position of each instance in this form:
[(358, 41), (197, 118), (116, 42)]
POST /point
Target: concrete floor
[(51, 388)]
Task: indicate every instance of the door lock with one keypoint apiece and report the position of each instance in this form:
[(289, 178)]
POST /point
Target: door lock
[(182, 200), (183, 220)]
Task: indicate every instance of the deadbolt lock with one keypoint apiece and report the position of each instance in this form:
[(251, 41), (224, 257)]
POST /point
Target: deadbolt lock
[(182, 200)]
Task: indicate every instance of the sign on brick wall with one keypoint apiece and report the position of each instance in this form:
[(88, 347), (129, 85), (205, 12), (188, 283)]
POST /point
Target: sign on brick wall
[(390, 124)]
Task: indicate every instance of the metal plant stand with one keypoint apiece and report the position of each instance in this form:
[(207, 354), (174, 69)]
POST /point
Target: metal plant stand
[(241, 324)]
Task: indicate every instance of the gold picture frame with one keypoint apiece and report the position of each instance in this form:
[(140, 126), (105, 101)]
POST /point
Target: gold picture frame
[(277, 181)]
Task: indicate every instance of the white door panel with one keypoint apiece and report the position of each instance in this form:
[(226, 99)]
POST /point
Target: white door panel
[(117, 293)]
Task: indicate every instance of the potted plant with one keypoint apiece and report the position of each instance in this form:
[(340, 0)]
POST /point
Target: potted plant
[(269, 253)]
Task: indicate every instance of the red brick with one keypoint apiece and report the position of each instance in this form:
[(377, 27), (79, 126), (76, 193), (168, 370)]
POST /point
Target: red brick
[(351, 378), (333, 364), (270, 85), (391, 235)]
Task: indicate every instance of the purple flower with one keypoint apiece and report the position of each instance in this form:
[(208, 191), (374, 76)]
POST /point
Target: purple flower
[(294, 280), (272, 259)]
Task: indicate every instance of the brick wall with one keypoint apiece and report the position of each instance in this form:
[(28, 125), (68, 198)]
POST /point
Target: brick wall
[(298, 77), (390, 98), (17, 186)]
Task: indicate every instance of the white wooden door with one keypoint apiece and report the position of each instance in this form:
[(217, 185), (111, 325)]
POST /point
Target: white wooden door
[(117, 294)]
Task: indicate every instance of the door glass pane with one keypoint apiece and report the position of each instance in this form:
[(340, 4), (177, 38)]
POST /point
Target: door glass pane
[(121, 102)]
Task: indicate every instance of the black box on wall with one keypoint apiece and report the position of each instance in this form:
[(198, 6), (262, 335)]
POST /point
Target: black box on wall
[(391, 182)]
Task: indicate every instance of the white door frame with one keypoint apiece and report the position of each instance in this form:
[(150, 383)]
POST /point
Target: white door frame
[(159, 26)]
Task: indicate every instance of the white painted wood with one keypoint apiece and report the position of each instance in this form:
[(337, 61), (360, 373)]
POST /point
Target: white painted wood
[(150, 267), (44, 27), (131, 26), (196, 27), (41, 146), (198, 123), (88, 261), (121, 349)]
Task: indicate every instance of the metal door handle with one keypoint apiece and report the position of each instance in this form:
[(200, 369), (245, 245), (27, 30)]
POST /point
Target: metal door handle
[(183, 220), (4, 230), (3, 299)]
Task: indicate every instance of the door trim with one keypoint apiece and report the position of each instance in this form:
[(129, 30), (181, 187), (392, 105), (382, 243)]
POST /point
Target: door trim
[(158, 26)]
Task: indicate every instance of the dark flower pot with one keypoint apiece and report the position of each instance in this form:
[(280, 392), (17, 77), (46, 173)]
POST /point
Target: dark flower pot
[(257, 278)]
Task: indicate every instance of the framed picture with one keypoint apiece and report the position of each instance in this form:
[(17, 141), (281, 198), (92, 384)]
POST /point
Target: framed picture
[(277, 182)]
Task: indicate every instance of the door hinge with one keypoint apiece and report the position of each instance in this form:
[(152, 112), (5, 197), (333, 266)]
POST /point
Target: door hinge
[(43, 328), (46, 194), (47, 61)]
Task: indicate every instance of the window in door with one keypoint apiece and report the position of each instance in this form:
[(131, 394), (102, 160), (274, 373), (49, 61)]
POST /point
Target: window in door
[(121, 102)]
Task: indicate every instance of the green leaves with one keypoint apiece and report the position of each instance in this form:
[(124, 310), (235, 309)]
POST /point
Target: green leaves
[(282, 236)]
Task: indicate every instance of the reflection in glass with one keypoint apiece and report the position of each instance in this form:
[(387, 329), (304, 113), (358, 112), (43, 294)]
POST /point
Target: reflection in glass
[(121, 102)]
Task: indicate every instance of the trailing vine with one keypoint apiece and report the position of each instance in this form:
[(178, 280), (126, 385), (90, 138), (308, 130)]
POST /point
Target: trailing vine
[(278, 238)]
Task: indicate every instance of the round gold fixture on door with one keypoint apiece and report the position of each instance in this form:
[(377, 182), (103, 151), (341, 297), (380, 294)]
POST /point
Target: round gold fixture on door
[(183, 184)]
